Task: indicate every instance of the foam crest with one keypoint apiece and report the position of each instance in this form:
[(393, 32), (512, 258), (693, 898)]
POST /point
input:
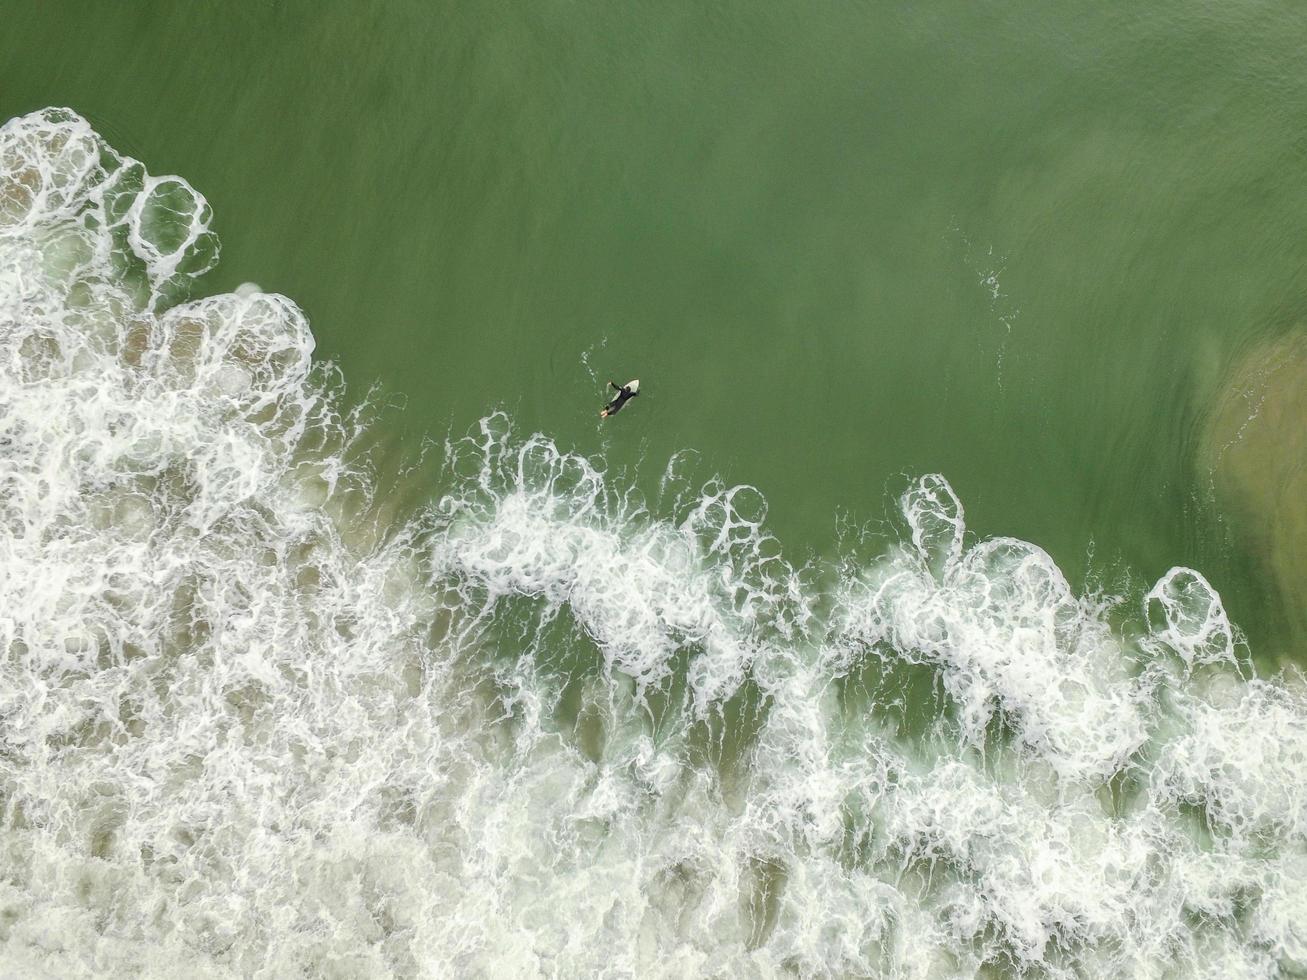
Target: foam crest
[(535, 521), (1186, 614), (97, 218), (937, 520), (52, 161), (254, 723), (1011, 641)]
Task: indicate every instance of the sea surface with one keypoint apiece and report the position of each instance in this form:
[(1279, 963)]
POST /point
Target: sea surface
[(936, 610)]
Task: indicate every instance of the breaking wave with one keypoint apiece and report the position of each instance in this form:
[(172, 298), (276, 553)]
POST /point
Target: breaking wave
[(256, 721)]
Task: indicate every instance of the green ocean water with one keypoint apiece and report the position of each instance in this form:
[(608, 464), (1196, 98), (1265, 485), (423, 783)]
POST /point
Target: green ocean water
[(841, 244), (552, 701)]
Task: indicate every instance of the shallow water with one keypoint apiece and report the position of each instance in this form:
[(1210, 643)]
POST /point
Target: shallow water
[(283, 695)]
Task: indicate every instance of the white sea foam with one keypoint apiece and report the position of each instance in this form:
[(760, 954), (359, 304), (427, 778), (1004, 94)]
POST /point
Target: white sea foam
[(254, 724)]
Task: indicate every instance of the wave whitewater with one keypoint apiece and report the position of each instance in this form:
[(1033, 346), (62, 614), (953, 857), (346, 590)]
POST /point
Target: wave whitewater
[(252, 724)]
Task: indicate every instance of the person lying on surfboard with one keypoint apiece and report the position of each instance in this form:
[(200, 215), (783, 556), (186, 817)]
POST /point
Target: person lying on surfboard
[(624, 394)]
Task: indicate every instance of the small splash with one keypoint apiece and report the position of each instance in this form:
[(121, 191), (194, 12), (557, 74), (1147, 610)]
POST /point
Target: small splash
[(988, 267), (585, 359)]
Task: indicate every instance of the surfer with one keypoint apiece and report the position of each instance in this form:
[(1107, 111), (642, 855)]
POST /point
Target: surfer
[(624, 394)]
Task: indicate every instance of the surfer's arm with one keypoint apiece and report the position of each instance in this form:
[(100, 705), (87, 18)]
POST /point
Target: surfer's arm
[(614, 385)]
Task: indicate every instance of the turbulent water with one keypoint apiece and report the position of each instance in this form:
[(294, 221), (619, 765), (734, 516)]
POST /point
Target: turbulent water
[(259, 718)]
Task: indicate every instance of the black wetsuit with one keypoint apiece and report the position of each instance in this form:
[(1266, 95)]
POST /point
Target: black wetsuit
[(624, 394)]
